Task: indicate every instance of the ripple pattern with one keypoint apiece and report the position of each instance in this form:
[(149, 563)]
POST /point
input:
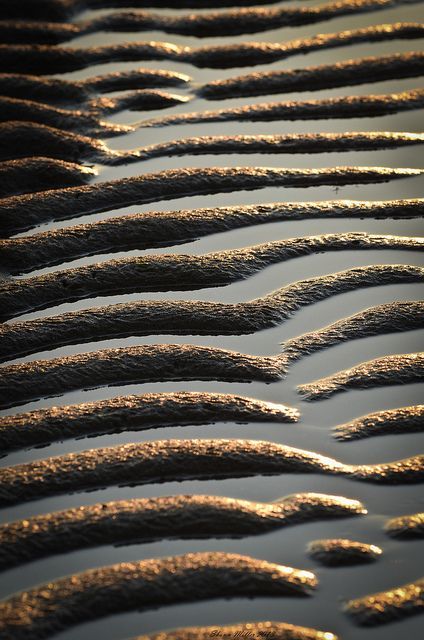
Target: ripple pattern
[(166, 338)]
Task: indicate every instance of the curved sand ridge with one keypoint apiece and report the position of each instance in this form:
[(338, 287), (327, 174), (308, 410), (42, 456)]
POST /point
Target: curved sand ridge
[(392, 421), (38, 174), (386, 606), (326, 76), (149, 519), (340, 552), (57, 10), (201, 25), (83, 93), (366, 106), (386, 371), (133, 413), (406, 527), (146, 584), (89, 122), (179, 460), (46, 59), (25, 139), (209, 318), (20, 213), (165, 228), (181, 272)]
